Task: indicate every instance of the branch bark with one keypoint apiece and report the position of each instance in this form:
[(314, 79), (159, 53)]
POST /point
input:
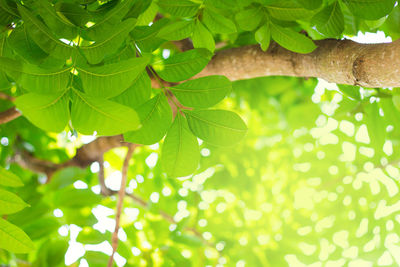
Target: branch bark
[(338, 61), (121, 196), (9, 115)]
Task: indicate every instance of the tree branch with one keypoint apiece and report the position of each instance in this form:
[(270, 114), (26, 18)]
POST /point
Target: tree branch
[(338, 61), (9, 115), (121, 195)]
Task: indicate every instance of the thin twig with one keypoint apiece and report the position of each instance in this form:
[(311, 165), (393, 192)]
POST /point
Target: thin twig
[(121, 195)]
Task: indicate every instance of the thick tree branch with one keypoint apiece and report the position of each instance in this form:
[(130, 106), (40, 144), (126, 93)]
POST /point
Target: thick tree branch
[(9, 115), (338, 61)]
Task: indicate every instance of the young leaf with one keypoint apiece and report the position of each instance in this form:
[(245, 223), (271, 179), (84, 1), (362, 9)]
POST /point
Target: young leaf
[(292, 40), (156, 117), (179, 8), (109, 43), (180, 153), (10, 202), (176, 30), (184, 65), (111, 79), (249, 19), (217, 23), (371, 9), (36, 79), (263, 36), (48, 112), (330, 20), (202, 37), (43, 37), (14, 239), (89, 114), (217, 127), (203, 92), (8, 178)]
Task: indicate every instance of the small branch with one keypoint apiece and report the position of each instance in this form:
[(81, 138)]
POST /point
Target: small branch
[(6, 97), (121, 195), (9, 115)]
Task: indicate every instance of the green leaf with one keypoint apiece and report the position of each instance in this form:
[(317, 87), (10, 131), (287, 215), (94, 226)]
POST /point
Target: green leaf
[(24, 46), (110, 19), (36, 79), (48, 112), (202, 38), (54, 22), (176, 30), (396, 101), (249, 19), (96, 259), (203, 92), (292, 40), (10, 202), (14, 239), (184, 65), (180, 153), (74, 15), (288, 10), (330, 20), (111, 79), (8, 178), (376, 127), (43, 37), (136, 94), (350, 90), (310, 4), (89, 114), (179, 8), (156, 117), (91, 236), (217, 23), (41, 227), (370, 9), (109, 43), (145, 36), (71, 197), (263, 36), (217, 127), (7, 14)]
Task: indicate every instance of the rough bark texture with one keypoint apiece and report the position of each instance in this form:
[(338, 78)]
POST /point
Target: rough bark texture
[(338, 61)]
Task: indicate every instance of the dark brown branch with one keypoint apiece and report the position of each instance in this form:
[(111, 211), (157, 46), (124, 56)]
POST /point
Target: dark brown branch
[(121, 196), (9, 115)]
